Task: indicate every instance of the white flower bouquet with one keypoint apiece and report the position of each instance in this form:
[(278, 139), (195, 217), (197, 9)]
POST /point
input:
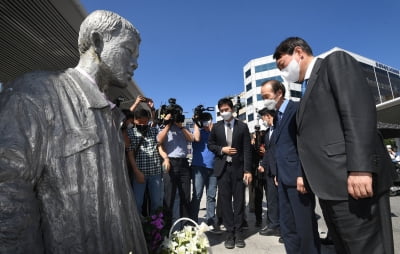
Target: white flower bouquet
[(188, 240)]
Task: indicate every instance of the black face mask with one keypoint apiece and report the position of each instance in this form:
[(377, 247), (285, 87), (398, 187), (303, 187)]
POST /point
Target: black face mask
[(142, 128)]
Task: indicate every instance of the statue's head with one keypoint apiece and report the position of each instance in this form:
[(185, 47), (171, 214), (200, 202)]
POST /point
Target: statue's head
[(115, 41)]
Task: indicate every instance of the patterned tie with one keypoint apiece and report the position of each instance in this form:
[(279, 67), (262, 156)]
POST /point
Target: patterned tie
[(228, 139), (277, 119), (304, 87)]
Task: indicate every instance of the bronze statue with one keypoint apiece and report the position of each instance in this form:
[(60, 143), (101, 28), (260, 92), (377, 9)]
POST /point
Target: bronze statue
[(63, 180)]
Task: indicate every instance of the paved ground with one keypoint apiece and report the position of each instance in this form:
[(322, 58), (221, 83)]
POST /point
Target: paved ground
[(256, 243)]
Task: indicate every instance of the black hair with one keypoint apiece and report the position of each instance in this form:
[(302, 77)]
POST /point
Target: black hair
[(224, 101), (276, 85), (141, 113), (206, 116), (266, 111), (287, 47)]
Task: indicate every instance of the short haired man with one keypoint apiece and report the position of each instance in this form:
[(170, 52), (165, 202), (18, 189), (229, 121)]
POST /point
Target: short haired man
[(174, 138), (230, 141), (64, 185), (268, 166), (344, 160), (298, 223), (145, 160)]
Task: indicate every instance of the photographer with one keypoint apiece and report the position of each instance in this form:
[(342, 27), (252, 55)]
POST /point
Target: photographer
[(143, 154), (202, 166), (174, 137)]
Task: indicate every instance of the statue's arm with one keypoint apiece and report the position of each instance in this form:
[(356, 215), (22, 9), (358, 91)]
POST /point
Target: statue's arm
[(21, 143)]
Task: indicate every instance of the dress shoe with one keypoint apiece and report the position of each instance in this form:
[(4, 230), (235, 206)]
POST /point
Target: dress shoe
[(230, 242), (280, 240), (270, 231), (239, 242)]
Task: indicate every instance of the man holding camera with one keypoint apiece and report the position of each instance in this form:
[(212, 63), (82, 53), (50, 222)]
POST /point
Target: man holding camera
[(174, 137), (202, 166)]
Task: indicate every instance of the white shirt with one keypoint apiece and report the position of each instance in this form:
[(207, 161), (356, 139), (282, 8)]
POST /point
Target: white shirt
[(310, 68)]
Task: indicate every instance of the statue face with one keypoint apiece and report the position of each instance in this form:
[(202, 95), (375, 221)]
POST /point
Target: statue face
[(119, 58)]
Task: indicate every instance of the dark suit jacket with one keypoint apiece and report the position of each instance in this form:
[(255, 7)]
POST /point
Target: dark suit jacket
[(242, 161), (337, 130), (285, 147), (268, 160)]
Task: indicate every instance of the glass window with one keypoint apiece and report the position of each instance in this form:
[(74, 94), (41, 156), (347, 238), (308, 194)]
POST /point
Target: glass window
[(250, 117), (395, 82), (248, 73), (370, 76), (294, 93), (242, 117), (260, 81), (249, 100), (248, 87), (384, 85), (265, 67)]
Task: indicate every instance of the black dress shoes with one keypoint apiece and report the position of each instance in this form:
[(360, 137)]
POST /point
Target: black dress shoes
[(270, 231), (230, 242), (280, 240), (239, 242)]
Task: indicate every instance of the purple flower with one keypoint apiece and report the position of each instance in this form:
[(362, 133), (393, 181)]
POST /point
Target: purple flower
[(158, 223)]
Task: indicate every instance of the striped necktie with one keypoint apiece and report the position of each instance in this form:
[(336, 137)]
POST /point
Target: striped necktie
[(228, 139)]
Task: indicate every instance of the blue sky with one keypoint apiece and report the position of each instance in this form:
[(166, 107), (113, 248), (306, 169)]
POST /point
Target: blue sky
[(195, 50)]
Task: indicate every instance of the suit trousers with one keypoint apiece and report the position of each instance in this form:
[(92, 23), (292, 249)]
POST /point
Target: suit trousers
[(298, 222), (178, 178), (272, 203), (360, 226), (259, 188), (230, 186)]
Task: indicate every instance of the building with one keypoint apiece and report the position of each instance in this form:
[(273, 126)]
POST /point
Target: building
[(383, 80)]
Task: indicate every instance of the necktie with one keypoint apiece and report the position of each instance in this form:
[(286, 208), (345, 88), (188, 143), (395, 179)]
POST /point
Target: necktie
[(228, 139), (278, 119), (304, 87), (271, 129)]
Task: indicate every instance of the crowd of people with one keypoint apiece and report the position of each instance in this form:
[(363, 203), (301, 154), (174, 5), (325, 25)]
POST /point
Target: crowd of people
[(318, 147)]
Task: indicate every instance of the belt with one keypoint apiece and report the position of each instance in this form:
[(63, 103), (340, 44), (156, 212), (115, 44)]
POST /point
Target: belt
[(177, 159)]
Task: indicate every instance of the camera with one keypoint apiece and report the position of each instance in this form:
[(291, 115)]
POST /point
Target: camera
[(200, 115), (145, 99), (172, 108)]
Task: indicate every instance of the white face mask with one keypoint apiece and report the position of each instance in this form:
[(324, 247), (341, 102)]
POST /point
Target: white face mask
[(266, 124), (270, 104), (226, 115), (291, 72), (207, 123)]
